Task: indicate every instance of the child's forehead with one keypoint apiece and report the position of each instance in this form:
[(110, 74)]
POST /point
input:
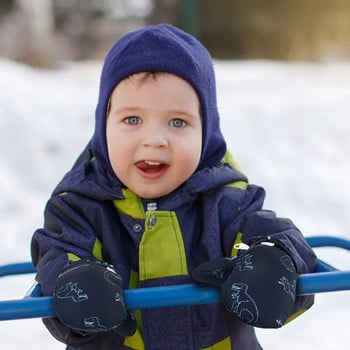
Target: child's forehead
[(162, 89), (145, 76), (140, 79)]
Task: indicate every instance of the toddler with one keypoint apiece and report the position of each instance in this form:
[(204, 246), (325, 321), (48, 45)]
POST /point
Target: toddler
[(155, 199)]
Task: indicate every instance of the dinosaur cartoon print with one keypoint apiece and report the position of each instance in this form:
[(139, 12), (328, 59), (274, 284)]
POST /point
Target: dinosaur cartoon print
[(287, 263), (243, 305), (244, 263), (288, 287), (71, 291), (93, 323)]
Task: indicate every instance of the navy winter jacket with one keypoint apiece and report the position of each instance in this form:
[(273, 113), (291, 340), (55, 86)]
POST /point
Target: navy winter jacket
[(160, 242), (90, 214)]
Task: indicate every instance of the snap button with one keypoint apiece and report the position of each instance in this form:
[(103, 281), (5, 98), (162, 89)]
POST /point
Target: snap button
[(137, 228), (152, 221)]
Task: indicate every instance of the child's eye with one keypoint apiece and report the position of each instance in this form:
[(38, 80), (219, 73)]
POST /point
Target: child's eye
[(177, 123), (133, 120)]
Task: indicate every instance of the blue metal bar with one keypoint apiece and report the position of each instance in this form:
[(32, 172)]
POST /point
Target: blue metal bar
[(16, 269), (328, 241), (168, 296), (322, 266), (325, 279), (26, 308), (171, 296), (323, 282)]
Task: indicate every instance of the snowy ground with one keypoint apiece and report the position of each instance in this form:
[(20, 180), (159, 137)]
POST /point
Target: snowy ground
[(287, 125)]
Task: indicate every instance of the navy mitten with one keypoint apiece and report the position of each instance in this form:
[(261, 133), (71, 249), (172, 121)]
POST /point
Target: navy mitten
[(89, 298), (258, 286)]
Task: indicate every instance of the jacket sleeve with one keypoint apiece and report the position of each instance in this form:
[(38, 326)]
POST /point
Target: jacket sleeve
[(67, 235), (254, 223)]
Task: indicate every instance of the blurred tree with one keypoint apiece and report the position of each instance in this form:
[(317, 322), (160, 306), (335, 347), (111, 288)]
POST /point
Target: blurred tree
[(43, 32), (276, 29), (6, 6), (26, 32), (166, 11), (87, 28), (181, 13), (190, 17)]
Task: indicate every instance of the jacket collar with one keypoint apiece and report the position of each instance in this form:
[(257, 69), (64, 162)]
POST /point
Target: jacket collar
[(89, 178)]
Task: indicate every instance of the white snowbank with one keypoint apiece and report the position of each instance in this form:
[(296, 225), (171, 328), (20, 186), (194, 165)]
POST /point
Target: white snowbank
[(286, 124)]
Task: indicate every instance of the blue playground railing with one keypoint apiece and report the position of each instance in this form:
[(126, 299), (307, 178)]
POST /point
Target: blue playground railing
[(326, 278)]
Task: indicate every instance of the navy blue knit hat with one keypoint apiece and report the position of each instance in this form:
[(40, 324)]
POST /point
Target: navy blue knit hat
[(162, 48)]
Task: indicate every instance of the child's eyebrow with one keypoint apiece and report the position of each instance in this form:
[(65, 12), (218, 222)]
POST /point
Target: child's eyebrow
[(126, 109), (184, 113), (175, 111)]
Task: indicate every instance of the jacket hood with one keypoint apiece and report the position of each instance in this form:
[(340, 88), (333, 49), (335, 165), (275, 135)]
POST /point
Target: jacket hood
[(162, 48)]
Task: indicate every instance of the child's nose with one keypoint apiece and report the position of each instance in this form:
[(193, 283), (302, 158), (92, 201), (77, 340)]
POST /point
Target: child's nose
[(155, 141)]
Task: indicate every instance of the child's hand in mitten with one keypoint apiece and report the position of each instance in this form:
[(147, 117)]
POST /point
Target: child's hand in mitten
[(258, 286), (89, 298)]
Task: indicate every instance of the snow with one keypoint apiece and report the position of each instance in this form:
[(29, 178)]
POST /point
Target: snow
[(286, 124)]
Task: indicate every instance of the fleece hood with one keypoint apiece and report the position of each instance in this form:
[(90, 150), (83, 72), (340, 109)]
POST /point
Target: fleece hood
[(162, 48)]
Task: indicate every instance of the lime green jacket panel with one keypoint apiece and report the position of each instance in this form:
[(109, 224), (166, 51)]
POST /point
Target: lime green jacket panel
[(162, 239)]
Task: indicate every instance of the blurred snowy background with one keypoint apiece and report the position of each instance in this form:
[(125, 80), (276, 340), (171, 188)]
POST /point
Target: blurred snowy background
[(286, 122)]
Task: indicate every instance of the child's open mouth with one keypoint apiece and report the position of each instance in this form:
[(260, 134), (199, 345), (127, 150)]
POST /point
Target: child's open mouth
[(151, 169)]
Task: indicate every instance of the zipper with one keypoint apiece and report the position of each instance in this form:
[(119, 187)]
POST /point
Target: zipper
[(152, 220)]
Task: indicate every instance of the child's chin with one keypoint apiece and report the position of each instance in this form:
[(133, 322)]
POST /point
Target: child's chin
[(151, 195)]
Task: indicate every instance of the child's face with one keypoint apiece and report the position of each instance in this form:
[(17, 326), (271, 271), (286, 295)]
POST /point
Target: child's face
[(154, 133)]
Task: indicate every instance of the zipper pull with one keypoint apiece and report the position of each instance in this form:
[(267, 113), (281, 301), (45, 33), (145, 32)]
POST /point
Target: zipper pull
[(151, 206), (241, 246)]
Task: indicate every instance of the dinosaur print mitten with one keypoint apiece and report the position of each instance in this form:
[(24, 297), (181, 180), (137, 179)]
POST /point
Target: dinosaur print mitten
[(89, 298), (258, 286)]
